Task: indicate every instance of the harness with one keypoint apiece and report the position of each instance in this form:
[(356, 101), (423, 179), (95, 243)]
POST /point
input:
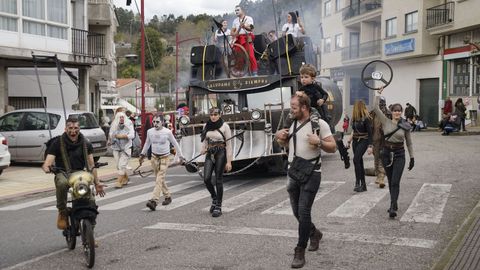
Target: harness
[(66, 161), (295, 130)]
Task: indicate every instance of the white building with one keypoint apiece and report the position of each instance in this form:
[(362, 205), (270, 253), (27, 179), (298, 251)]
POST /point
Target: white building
[(357, 32), (78, 32)]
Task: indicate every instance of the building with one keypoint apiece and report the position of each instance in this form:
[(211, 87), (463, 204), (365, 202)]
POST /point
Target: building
[(79, 33), (357, 32)]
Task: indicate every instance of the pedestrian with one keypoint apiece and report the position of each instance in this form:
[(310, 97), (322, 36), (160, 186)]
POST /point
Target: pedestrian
[(378, 142), (218, 149), (305, 138), (460, 110), (410, 111), (346, 123), (396, 131), (362, 142), (448, 107), (242, 33), (293, 25), (120, 139), (159, 139)]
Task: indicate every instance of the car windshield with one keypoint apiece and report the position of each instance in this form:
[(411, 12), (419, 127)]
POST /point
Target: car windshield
[(86, 120), (236, 102)]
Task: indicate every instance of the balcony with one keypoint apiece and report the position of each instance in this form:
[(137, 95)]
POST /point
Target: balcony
[(360, 8), (100, 12), (440, 15), (364, 50), (88, 45)]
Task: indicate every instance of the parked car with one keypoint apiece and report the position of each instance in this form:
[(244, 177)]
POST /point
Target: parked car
[(4, 154), (27, 132)]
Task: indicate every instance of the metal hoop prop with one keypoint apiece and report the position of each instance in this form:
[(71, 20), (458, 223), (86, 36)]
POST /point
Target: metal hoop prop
[(369, 79), (237, 62)]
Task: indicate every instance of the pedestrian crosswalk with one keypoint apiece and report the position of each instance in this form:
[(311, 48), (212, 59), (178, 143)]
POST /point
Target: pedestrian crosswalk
[(427, 206)]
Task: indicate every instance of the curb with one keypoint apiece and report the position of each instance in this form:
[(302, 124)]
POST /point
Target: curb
[(455, 244)]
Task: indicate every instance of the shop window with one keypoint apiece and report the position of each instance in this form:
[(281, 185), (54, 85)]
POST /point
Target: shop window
[(461, 77)]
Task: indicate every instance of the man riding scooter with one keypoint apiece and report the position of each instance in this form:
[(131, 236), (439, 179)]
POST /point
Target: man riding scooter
[(70, 152)]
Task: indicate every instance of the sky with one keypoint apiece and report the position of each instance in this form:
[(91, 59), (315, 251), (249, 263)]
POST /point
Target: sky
[(181, 7)]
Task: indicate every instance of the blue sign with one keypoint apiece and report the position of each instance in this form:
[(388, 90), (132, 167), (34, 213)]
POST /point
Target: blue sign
[(402, 46)]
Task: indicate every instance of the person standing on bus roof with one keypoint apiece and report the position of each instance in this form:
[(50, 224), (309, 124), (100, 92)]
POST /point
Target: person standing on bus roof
[(242, 31), (218, 149), (293, 25)]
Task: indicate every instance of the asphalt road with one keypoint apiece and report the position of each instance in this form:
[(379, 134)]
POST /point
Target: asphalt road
[(255, 232)]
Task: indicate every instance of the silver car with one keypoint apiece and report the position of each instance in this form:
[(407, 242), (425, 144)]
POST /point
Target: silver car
[(27, 132)]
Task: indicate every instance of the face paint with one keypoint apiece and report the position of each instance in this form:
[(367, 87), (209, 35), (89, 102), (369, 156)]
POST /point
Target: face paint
[(157, 123)]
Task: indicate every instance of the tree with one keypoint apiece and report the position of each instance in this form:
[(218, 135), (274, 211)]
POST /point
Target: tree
[(155, 48)]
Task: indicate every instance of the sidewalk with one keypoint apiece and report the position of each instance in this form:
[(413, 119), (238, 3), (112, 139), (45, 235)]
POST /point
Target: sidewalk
[(30, 179)]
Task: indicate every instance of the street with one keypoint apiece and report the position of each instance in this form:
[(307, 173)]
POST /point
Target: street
[(257, 229)]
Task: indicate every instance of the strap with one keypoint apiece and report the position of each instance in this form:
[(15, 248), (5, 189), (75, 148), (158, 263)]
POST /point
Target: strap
[(63, 152), (203, 62), (387, 136), (295, 130), (288, 57), (221, 133)]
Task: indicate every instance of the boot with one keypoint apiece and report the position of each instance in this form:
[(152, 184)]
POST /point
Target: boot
[(315, 238), (357, 186), (167, 201), (217, 211), (212, 207), (346, 160), (152, 205), (125, 179), (298, 258), (381, 183), (363, 186), (119, 183), (392, 212), (62, 219)]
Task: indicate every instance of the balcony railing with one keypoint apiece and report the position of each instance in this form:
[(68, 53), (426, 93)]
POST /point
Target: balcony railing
[(87, 43), (361, 7), (440, 15), (367, 49)]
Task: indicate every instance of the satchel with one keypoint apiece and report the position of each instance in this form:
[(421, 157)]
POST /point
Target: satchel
[(300, 169)]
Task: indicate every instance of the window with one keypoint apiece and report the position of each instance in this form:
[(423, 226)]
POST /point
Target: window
[(411, 22), (476, 89), (86, 120), (8, 6), (33, 28), (461, 77), (38, 121), (328, 8), (57, 11), (57, 32), (338, 42), (338, 5), (11, 121), (327, 45), (391, 27), (34, 8), (9, 24)]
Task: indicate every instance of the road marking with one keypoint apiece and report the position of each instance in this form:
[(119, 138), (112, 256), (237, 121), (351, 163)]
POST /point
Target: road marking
[(359, 204), (428, 204), (251, 196), (284, 207), (349, 237), (28, 204), (115, 193), (192, 197), (145, 197), (39, 258)]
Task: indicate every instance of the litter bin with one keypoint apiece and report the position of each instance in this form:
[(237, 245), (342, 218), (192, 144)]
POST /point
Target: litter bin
[(473, 117)]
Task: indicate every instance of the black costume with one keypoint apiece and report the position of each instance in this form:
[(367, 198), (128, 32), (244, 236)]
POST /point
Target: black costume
[(362, 139)]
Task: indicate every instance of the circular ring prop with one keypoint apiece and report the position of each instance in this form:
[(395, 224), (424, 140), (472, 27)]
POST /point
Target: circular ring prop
[(369, 79)]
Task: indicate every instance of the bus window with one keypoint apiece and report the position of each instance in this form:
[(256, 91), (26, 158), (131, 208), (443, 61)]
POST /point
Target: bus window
[(257, 100), (203, 102)]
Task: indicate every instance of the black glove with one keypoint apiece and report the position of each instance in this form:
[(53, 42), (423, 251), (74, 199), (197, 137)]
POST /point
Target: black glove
[(412, 163)]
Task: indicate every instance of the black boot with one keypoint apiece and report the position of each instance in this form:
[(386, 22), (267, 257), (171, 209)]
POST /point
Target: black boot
[(298, 258), (392, 211), (363, 186), (212, 207), (357, 186), (217, 211), (346, 160), (315, 238)]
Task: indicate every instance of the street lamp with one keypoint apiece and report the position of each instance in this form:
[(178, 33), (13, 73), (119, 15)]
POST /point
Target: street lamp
[(177, 43)]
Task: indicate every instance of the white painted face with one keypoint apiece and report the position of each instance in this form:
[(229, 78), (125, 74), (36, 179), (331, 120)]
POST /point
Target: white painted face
[(157, 123), (238, 11)]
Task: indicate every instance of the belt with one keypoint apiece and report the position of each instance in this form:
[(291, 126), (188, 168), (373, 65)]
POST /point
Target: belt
[(160, 156), (220, 144), (391, 145)]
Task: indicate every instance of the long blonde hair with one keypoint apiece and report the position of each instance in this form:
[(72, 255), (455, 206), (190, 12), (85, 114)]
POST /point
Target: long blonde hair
[(360, 111), (116, 121)]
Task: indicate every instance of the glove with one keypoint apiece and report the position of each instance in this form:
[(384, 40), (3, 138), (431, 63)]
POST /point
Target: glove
[(411, 164)]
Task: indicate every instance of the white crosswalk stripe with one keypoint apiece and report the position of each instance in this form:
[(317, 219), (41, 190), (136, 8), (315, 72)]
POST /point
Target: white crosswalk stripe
[(143, 198), (284, 207), (251, 196), (428, 204), (359, 204), (193, 197)]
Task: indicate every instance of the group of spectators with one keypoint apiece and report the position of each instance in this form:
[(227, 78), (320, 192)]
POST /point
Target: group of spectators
[(453, 117)]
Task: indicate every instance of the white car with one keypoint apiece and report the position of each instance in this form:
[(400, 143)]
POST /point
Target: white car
[(27, 131), (4, 154)]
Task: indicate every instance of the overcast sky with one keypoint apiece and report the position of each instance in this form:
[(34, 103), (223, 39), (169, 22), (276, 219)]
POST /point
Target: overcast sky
[(181, 7)]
